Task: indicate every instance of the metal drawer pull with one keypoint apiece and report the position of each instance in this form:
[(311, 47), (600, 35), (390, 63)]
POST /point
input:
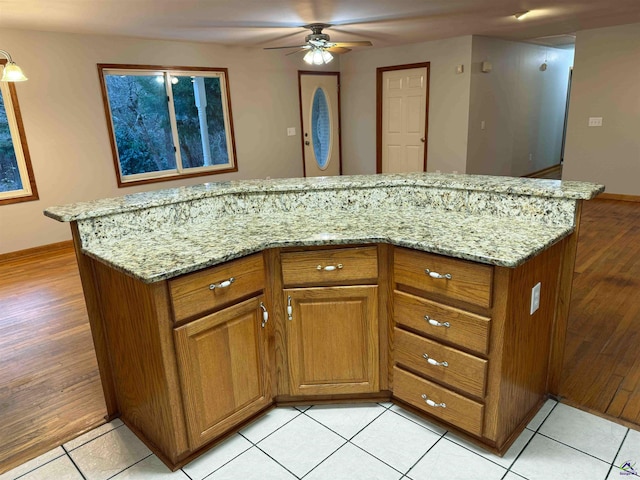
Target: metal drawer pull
[(223, 284), (289, 308), (432, 361), (431, 403), (330, 268), (436, 323), (265, 314), (437, 275)]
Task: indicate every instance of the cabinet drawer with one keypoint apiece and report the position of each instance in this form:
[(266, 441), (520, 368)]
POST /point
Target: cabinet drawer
[(457, 409), (468, 281), (454, 368), (442, 322), (338, 266), (193, 294)]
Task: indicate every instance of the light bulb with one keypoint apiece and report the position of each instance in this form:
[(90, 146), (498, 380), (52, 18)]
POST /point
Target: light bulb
[(326, 56), (12, 73), (309, 57), (317, 57)]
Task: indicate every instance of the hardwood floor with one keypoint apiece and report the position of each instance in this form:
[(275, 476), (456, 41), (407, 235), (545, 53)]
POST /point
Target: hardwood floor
[(50, 390), (602, 358)]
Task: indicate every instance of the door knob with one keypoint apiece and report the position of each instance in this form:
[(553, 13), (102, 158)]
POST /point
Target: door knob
[(423, 139), (306, 142)]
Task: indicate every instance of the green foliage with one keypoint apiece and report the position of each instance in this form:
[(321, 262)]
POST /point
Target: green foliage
[(9, 174), (140, 114)]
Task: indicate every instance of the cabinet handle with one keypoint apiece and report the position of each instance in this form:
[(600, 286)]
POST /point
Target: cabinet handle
[(446, 276), (431, 403), (432, 361), (223, 284), (436, 323), (330, 268), (265, 314), (289, 308)]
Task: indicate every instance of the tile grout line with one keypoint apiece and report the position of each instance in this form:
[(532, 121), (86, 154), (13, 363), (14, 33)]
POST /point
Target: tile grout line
[(227, 462), (406, 474), (574, 448), (73, 462), (129, 466), (331, 430), (616, 455)]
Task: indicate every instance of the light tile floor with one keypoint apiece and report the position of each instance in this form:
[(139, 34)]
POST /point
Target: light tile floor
[(358, 442)]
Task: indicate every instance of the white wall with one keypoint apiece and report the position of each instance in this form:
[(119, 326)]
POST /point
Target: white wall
[(66, 131), (606, 83), (448, 102), (521, 106)]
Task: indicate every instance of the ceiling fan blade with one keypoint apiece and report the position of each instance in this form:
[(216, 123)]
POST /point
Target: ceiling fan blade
[(363, 43), (290, 46), (298, 51), (338, 50)]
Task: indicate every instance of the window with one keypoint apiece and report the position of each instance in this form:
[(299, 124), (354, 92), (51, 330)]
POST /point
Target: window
[(167, 123), (17, 183)]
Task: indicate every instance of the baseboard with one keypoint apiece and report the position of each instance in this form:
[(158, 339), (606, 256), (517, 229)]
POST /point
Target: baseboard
[(617, 196), (544, 171), (50, 248)]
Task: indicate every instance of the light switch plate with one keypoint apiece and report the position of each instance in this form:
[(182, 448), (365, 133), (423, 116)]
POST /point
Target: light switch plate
[(291, 131), (595, 121), (535, 298)]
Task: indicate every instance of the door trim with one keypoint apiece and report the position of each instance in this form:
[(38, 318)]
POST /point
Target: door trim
[(379, 73), (312, 72)]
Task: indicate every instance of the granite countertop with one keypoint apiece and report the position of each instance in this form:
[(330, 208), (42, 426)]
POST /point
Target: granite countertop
[(154, 236), (169, 252), (485, 183)]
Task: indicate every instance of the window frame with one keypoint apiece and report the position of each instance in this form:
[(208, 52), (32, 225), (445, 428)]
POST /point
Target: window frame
[(29, 191), (179, 172)]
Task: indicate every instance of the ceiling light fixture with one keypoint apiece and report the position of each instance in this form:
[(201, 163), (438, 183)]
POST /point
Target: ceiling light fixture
[(521, 15), (318, 56), (11, 71)]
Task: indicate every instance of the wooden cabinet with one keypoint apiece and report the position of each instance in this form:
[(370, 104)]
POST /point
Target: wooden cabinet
[(222, 360), (331, 322), (332, 339), (467, 351)]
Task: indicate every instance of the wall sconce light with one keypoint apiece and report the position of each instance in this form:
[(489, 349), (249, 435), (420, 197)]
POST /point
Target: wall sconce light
[(521, 15), (11, 71)]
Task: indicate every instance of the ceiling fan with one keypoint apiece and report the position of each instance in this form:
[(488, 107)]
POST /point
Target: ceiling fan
[(319, 46)]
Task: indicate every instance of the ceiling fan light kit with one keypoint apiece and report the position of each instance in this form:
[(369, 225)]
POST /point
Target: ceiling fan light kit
[(319, 47)]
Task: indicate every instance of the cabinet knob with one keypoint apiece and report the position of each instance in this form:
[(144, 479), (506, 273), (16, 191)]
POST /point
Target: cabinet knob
[(431, 403), (437, 275)]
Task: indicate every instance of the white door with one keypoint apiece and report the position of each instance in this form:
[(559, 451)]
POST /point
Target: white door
[(404, 107), (319, 102)]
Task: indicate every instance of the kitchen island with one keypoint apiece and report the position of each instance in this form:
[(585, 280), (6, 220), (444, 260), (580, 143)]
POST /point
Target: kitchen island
[(209, 304)]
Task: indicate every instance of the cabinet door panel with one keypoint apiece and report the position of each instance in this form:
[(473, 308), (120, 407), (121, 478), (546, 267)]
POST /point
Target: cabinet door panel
[(333, 340), (221, 358)]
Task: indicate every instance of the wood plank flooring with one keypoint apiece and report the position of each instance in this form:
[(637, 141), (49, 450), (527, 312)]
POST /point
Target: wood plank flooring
[(50, 391), (602, 358)]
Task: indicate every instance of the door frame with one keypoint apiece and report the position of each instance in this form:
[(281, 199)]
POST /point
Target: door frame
[(379, 87), (313, 72)]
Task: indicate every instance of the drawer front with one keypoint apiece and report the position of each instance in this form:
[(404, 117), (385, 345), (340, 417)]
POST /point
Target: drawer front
[(469, 282), (452, 367), (192, 294), (457, 409), (337, 266), (442, 322)]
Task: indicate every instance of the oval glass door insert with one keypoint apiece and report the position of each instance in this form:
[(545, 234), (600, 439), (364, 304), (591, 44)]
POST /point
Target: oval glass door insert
[(321, 128)]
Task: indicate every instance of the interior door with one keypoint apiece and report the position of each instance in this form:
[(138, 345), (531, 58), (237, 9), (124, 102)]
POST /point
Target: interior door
[(404, 114), (320, 116)]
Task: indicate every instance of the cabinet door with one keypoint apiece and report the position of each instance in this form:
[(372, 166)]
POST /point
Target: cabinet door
[(223, 369), (332, 340)]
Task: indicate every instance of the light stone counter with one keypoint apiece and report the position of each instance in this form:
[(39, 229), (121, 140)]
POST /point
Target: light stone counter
[(496, 220)]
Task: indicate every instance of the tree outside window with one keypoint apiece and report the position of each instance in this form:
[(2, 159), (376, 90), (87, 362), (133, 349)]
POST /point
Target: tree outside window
[(167, 123)]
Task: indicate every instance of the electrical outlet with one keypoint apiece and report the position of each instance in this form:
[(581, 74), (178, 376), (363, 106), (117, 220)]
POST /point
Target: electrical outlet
[(535, 298), (595, 121)]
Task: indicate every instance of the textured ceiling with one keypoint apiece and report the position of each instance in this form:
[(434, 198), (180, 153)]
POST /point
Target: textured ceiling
[(269, 23)]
